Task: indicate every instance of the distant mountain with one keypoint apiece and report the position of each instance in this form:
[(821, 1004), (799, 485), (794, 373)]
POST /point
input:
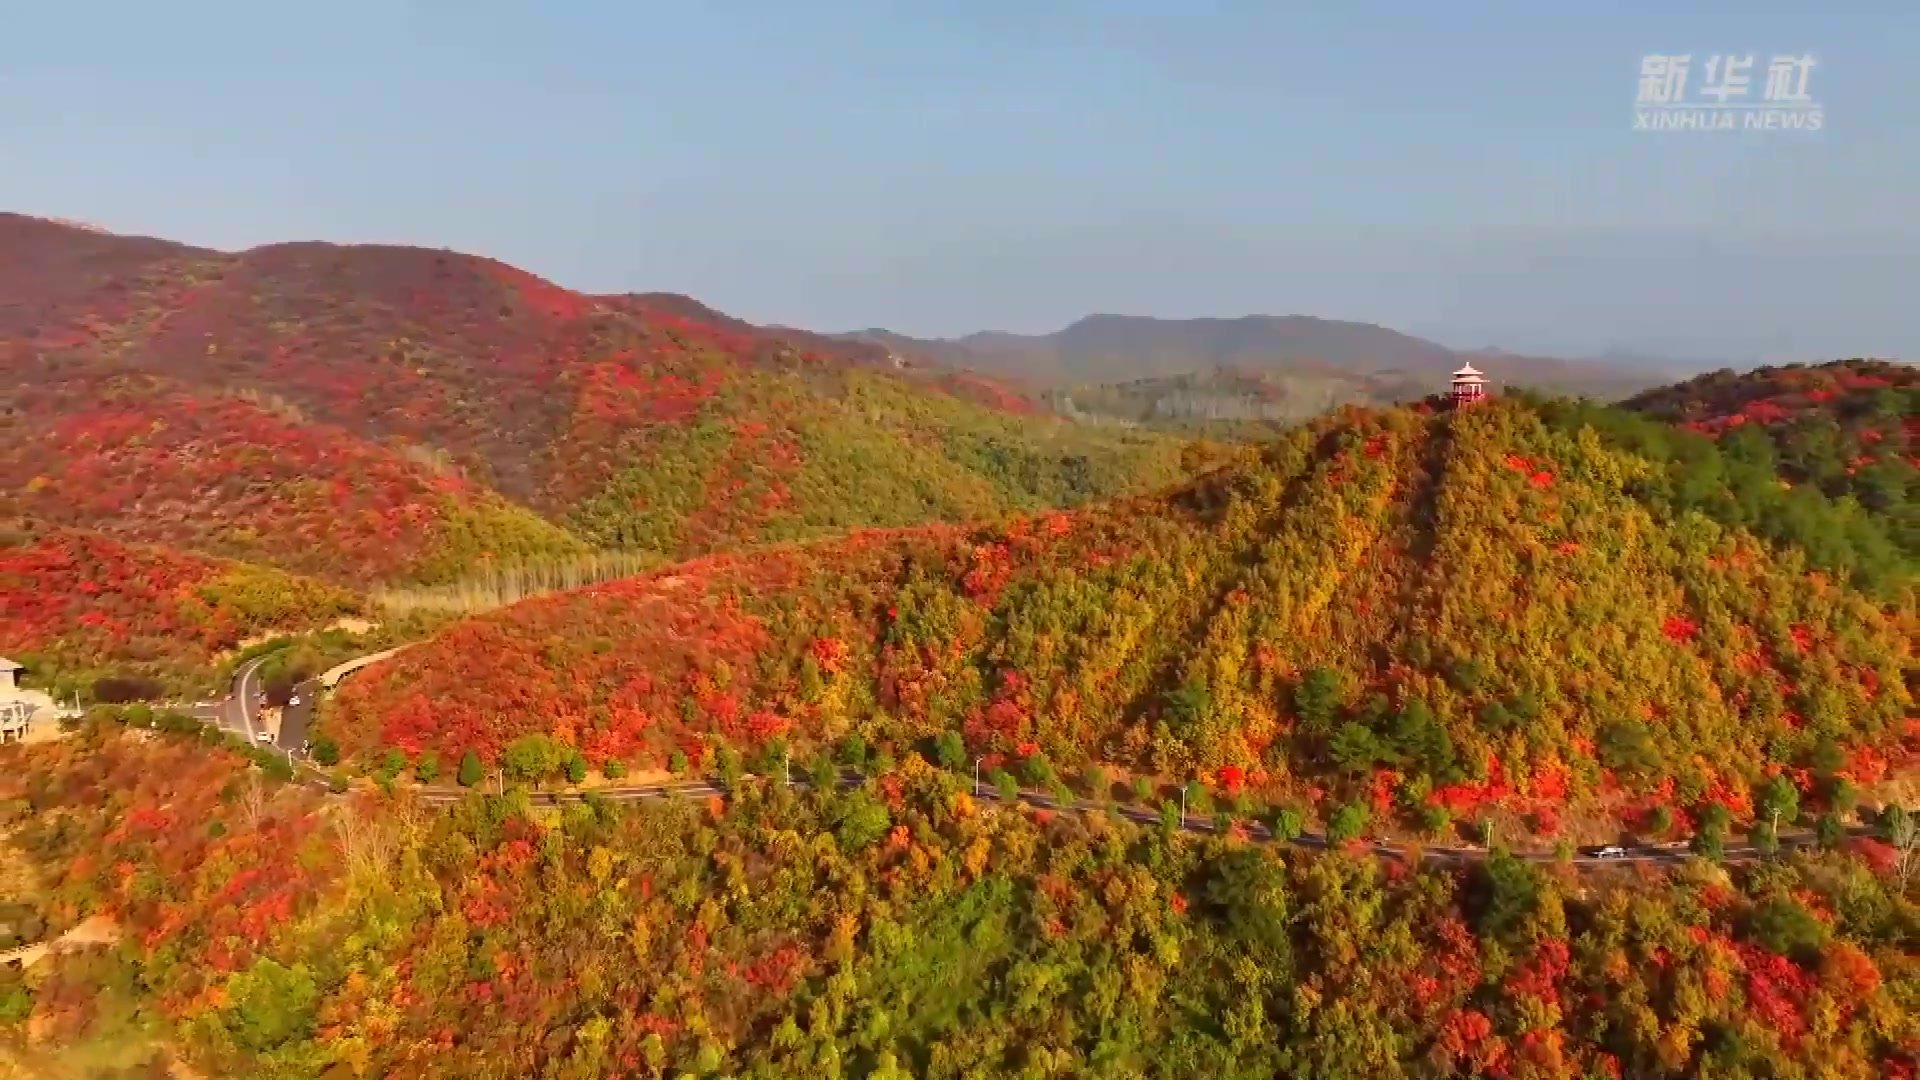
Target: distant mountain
[(1123, 348), (1234, 402)]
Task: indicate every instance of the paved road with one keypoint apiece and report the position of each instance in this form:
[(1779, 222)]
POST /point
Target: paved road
[(295, 718), (246, 687), (239, 711), (1256, 831), (236, 713)]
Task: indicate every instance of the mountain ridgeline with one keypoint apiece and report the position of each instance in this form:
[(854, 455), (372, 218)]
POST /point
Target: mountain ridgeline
[(1102, 349), (397, 414)]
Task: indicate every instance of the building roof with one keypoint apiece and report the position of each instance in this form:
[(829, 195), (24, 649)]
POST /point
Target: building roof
[(1466, 370)]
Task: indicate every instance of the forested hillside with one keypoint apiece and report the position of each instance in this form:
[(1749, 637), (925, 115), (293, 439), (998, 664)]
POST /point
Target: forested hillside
[(634, 421), (82, 607), (1846, 428), (1236, 402), (388, 418), (247, 477), (1427, 616), (904, 930)]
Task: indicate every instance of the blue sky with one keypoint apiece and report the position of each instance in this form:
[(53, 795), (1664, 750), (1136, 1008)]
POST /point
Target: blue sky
[(1462, 170)]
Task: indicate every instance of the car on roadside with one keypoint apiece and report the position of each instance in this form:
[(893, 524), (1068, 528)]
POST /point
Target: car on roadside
[(294, 700), (263, 736), (1611, 851)]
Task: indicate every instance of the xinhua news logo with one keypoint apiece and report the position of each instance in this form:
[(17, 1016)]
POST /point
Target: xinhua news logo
[(1722, 99)]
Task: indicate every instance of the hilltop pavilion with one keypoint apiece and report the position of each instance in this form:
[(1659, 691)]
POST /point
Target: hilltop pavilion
[(1468, 386)]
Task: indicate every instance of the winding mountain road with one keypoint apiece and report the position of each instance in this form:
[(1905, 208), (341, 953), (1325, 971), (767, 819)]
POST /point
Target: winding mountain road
[(1256, 831), (235, 713)]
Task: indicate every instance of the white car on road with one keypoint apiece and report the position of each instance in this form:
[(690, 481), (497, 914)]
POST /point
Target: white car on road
[(263, 736)]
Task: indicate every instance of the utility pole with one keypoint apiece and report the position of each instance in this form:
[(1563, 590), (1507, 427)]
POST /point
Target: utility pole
[(976, 775), (786, 770), (1183, 806)]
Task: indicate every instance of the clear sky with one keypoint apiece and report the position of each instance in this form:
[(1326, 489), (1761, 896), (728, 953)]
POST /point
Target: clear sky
[(1462, 170)]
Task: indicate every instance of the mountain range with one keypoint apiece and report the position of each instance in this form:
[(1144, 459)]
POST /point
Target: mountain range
[(1126, 348), (374, 416)]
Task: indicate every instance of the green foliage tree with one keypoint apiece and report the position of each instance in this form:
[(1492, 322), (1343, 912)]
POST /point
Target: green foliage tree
[(1318, 700), (326, 751), (1006, 786), (1506, 893), (1288, 822), (533, 758), (1353, 748), (1627, 747), (1348, 822), (1710, 835), (950, 751), (1830, 831), (1784, 926), (1777, 797), (271, 1005), (862, 821), (471, 771)]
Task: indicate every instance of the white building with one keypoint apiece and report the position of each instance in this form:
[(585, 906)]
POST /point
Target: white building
[(15, 718)]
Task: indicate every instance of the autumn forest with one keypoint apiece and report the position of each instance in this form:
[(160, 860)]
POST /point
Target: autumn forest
[(774, 704)]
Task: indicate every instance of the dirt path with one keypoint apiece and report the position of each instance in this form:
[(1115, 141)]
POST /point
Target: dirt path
[(98, 930)]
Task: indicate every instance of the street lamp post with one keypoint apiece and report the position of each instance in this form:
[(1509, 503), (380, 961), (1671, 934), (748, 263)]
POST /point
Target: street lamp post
[(1183, 806), (976, 775)]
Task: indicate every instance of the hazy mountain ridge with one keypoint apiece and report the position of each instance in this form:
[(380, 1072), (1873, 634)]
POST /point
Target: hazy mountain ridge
[(1123, 348)]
